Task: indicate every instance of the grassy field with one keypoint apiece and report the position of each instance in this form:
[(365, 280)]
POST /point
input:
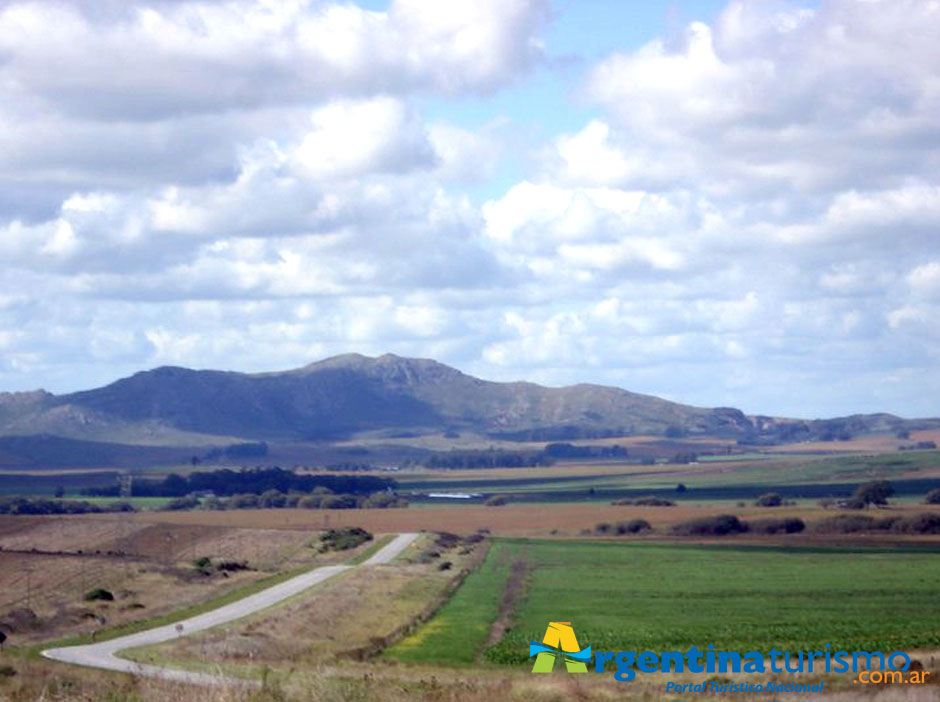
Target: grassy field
[(668, 597)]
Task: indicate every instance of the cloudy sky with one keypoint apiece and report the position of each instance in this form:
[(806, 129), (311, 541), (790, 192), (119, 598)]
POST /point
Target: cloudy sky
[(719, 203)]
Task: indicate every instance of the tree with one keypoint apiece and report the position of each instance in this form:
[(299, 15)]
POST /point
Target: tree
[(769, 499), (3, 637), (875, 492), (681, 487), (60, 492), (933, 497)]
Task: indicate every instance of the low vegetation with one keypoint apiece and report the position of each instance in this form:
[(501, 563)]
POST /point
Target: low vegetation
[(633, 526), (748, 598), (648, 501), (38, 505), (343, 539), (320, 498), (254, 481), (718, 525), (925, 523), (99, 593)]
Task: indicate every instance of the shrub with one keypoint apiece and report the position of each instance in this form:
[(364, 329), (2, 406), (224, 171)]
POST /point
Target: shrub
[(272, 499), (622, 503), (344, 539), (99, 594), (769, 499), (7, 671), (634, 526), (933, 497), (603, 528), (231, 566), (445, 565), (384, 500), (337, 502), (875, 492), (681, 487), (654, 502), (496, 501), (790, 525), (310, 502), (719, 525), (924, 523), (853, 523), (182, 503)]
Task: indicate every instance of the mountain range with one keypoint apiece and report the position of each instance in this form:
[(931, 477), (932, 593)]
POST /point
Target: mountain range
[(351, 396)]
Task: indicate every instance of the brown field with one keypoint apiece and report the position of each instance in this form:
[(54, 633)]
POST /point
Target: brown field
[(530, 520)]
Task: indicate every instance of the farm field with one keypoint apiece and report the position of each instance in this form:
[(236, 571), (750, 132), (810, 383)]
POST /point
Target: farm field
[(531, 520), (658, 597)]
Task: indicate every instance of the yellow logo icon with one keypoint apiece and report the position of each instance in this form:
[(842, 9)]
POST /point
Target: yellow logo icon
[(559, 640)]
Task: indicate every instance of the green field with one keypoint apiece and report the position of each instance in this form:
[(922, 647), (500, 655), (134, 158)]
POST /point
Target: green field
[(665, 597)]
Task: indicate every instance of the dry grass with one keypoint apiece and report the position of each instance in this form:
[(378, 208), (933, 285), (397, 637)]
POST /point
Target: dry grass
[(345, 617), (40, 680), (155, 576)]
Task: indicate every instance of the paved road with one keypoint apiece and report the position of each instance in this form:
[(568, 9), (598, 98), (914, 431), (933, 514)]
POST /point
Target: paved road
[(104, 654)]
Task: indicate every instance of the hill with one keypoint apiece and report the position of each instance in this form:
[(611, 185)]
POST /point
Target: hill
[(352, 395)]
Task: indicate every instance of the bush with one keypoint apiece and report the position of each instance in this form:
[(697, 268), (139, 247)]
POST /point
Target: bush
[(272, 499), (853, 523), (99, 594), (790, 525), (875, 492), (654, 502), (924, 523), (603, 528), (634, 526), (344, 539), (337, 502), (496, 501), (769, 499), (182, 503), (384, 500), (7, 671), (933, 497), (719, 525), (231, 566)]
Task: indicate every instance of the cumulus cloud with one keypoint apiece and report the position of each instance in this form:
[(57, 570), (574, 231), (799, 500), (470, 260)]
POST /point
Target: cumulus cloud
[(749, 207)]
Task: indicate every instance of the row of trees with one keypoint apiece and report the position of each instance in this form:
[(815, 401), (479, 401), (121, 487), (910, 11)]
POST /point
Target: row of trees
[(253, 481), (39, 505), (320, 498)]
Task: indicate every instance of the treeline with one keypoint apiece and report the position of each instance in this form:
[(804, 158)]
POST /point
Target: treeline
[(321, 498), (495, 458), (488, 459), (38, 505), (565, 450), (254, 481)]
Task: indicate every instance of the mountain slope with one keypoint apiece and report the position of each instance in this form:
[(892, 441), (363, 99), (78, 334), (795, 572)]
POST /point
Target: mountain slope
[(349, 394)]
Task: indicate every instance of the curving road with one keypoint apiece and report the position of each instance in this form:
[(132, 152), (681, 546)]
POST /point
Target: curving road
[(104, 654)]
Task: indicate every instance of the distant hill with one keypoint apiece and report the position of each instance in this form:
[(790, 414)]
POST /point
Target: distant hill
[(349, 395)]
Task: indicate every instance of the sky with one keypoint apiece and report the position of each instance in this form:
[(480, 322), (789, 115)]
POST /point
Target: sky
[(720, 203)]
